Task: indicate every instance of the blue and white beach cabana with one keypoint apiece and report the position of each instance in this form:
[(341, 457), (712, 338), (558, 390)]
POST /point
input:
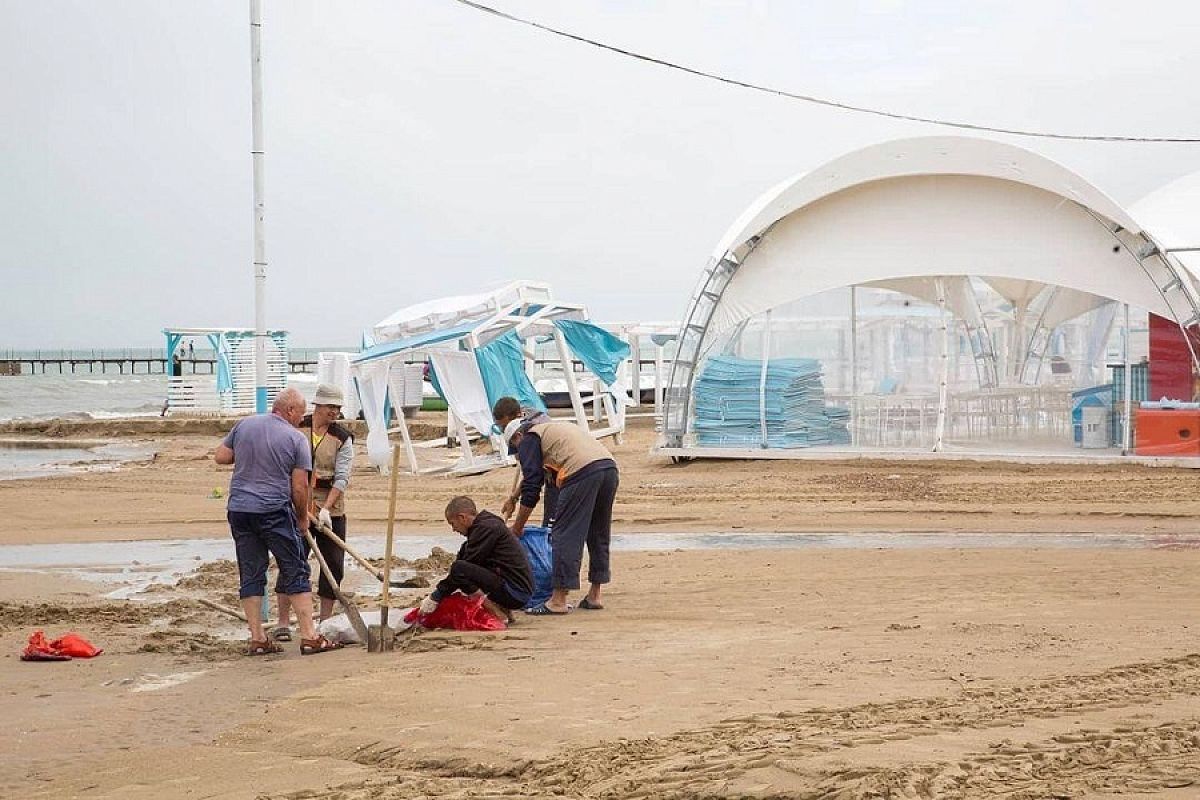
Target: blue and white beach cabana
[(230, 389), (478, 350)]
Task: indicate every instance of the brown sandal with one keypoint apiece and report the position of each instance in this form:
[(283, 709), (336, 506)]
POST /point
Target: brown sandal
[(312, 647), (263, 648)]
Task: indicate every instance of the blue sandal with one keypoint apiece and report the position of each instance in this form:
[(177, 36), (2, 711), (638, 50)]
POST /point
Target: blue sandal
[(545, 611)]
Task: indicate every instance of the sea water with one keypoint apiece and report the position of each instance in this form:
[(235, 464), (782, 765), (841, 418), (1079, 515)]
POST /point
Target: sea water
[(101, 395), (96, 396), (81, 396), (84, 396)]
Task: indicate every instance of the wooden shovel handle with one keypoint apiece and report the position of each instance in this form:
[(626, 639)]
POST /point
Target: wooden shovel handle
[(328, 533), (351, 610), (391, 525)]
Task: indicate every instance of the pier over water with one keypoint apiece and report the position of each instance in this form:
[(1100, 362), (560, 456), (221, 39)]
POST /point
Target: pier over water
[(125, 361)]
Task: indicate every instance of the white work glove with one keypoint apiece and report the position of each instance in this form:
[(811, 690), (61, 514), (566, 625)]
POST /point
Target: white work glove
[(428, 605), (324, 517)]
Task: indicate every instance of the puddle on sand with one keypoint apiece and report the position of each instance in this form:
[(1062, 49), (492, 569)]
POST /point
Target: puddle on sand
[(133, 566), (38, 458)]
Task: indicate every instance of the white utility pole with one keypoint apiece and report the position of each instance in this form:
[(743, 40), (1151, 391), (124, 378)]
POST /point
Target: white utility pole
[(260, 248)]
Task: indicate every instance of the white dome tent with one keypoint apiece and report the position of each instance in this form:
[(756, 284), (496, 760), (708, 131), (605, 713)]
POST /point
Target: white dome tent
[(979, 277)]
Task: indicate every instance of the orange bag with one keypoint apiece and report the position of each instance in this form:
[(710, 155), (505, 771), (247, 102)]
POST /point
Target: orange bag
[(75, 646), (39, 649)]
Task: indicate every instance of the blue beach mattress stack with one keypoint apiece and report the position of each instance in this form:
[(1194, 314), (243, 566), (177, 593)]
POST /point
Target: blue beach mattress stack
[(727, 405)]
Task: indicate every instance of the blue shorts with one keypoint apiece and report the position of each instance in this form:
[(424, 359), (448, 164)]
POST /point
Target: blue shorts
[(274, 532)]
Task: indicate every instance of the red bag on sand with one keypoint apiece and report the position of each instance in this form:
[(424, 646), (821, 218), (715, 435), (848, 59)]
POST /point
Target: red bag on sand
[(39, 649), (75, 646), (458, 612)]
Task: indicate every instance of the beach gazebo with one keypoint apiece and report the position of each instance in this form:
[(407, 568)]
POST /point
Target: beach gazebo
[(230, 387), (478, 348), (941, 294)]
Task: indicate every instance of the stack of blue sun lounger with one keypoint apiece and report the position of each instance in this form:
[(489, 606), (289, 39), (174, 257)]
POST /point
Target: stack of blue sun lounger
[(728, 413)]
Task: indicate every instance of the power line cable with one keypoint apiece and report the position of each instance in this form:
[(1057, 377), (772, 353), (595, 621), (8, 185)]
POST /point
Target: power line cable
[(821, 101)]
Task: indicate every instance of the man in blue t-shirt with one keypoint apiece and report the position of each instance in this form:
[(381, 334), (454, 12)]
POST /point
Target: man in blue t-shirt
[(268, 507)]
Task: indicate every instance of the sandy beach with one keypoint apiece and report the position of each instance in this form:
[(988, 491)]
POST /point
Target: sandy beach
[(815, 672)]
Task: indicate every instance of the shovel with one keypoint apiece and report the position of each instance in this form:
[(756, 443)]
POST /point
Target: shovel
[(356, 620), (328, 533), (380, 637)]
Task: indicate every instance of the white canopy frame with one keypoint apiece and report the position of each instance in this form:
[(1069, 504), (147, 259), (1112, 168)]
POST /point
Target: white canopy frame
[(236, 352), (901, 213), (659, 336), (465, 324)]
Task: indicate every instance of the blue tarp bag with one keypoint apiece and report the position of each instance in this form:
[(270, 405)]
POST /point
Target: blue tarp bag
[(536, 542)]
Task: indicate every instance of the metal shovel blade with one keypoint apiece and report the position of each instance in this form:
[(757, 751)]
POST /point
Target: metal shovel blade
[(380, 638)]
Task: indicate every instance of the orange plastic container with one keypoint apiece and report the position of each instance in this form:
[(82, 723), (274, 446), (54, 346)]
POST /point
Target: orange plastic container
[(1167, 432)]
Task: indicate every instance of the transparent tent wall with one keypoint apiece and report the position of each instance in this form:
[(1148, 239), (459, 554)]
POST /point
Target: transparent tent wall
[(864, 369)]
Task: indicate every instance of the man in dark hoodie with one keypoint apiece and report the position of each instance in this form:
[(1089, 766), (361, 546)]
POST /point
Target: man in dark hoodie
[(505, 411), (491, 561)]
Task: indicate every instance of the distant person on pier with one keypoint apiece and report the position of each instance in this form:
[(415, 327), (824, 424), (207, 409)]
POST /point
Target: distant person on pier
[(176, 366), (192, 352), (268, 508)]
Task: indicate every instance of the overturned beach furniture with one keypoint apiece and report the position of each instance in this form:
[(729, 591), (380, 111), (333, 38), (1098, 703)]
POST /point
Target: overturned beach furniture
[(230, 388), (478, 348), (651, 354)]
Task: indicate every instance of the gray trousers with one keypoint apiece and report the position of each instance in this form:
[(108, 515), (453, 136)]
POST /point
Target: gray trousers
[(583, 516)]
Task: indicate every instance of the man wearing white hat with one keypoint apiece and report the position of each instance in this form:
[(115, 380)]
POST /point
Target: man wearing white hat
[(332, 457)]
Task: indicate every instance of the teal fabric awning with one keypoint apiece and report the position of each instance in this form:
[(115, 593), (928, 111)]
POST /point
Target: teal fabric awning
[(502, 365), (600, 351)]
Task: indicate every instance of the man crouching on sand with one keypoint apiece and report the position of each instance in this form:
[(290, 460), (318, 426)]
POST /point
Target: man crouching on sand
[(490, 562)]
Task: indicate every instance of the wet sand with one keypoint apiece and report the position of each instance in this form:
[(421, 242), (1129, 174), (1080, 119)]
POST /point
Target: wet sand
[(172, 497), (815, 672)]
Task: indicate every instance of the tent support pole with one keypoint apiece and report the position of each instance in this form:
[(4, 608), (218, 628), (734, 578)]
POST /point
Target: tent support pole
[(635, 365), (853, 365), (464, 439), (762, 379), (614, 421), (409, 450), (564, 355), (1126, 431), (658, 380), (940, 430)]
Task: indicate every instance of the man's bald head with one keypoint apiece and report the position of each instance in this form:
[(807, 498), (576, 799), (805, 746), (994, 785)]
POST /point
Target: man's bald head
[(289, 404)]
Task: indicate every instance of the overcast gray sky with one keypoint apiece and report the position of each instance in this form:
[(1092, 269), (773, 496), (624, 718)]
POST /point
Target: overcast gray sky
[(418, 149)]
